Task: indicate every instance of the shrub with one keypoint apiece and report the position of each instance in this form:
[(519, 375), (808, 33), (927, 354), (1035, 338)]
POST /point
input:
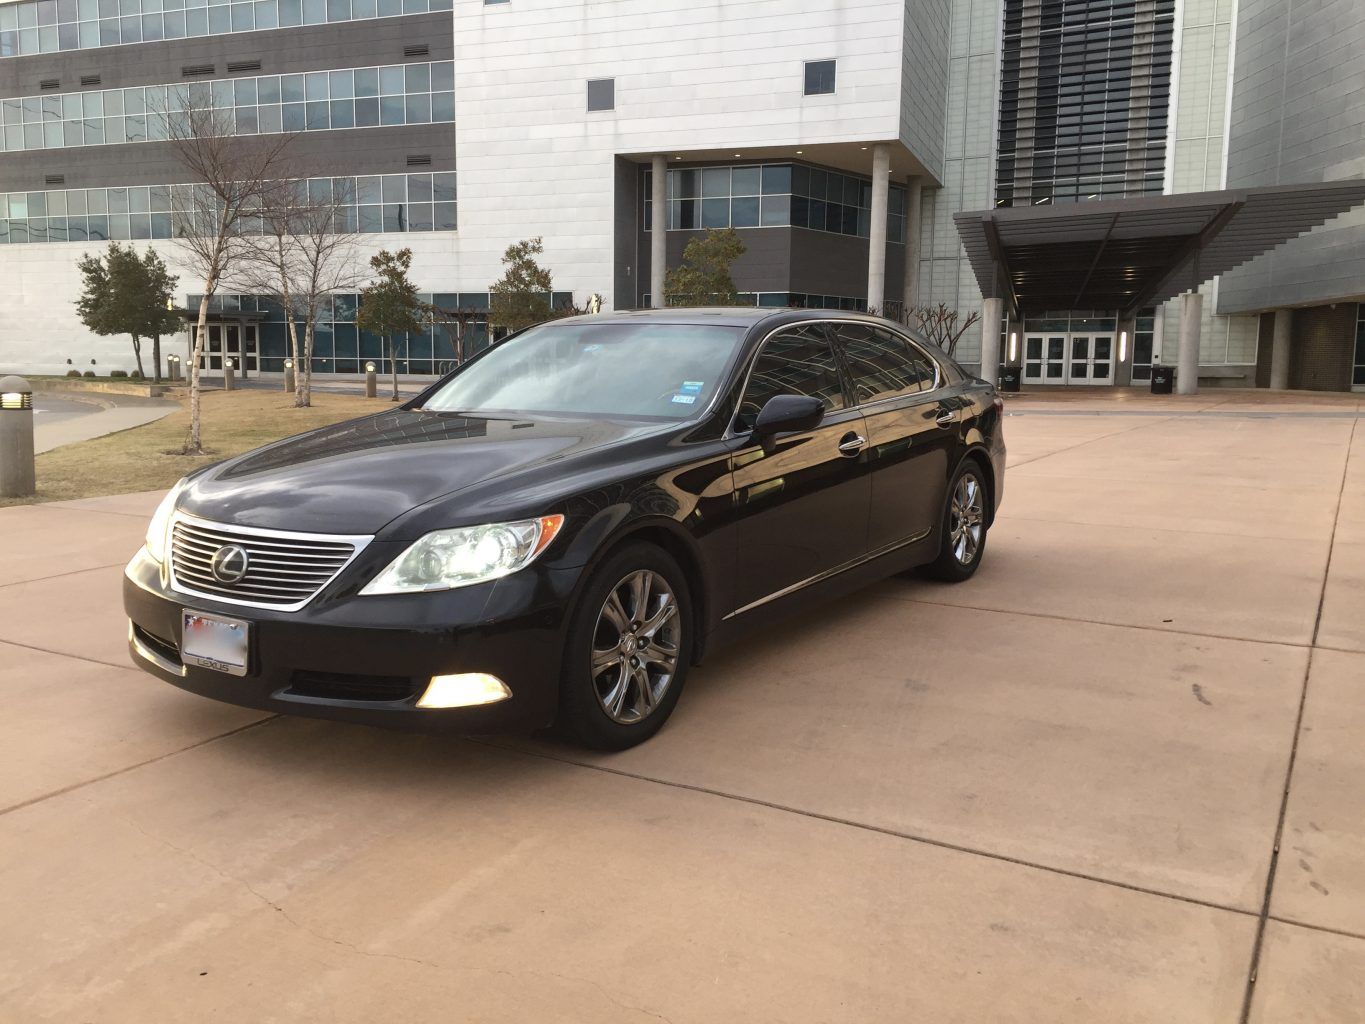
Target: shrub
[(89, 373), (136, 375), (118, 373), (73, 373)]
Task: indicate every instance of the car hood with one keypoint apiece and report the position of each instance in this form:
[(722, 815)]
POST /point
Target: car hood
[(355, 477)]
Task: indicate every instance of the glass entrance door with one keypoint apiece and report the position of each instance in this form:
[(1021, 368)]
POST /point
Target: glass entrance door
[(1091, 359), (1044, 359), (240, 342), (1069, 359)]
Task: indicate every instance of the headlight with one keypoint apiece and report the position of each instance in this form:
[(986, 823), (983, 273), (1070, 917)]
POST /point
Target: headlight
[(471, 554), (160, 525)]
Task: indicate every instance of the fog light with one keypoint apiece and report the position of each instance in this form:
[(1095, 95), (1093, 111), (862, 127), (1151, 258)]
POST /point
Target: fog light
[(466, 690)]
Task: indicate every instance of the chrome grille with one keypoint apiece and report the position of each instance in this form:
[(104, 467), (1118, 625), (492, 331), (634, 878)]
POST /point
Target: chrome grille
[(284, 570)]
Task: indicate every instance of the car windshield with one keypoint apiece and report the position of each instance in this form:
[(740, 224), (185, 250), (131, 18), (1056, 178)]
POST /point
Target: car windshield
[(640, 370)]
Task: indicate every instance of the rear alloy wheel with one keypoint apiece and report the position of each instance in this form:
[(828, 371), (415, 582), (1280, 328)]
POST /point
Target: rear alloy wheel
[(629, 646), (963, 531)]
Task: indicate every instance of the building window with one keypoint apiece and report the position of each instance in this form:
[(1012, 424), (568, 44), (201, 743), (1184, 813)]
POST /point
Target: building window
[(367, 204), (47, 26), (316, 101), (819, 77), (774, 195), (601, 94)]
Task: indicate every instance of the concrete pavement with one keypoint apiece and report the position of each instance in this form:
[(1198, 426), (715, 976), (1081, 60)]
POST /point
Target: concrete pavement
[(1050, 794)]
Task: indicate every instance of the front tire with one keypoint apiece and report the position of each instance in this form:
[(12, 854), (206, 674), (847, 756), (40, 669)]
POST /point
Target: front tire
[(962, 533), (629, 645)]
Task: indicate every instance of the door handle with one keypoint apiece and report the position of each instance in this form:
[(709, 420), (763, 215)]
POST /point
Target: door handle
[(851, 444), (946, 418)]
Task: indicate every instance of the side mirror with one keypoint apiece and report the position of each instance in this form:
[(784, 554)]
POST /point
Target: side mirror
[(787, 413)]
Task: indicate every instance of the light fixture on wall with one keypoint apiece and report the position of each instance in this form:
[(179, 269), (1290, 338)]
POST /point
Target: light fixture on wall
[(1014, 345), (1123, 345)]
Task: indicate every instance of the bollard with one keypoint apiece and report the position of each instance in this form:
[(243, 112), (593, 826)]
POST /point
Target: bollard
[(229, 375), (174, 367), (16, 438), (371, 381), (289, 376)]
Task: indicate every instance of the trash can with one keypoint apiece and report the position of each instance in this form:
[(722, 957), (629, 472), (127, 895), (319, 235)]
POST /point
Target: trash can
[(1163, 380), (1010, 378)]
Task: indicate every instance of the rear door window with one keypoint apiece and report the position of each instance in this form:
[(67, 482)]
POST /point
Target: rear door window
[(882, 364)]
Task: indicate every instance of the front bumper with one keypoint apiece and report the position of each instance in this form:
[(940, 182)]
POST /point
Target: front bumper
[(348, 657)]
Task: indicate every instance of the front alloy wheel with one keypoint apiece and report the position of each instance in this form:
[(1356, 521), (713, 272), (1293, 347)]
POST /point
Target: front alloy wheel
[(635, 646), (628, 648)]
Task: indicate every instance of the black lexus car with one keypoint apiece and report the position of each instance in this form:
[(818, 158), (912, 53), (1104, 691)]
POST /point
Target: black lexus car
[(557, 530)]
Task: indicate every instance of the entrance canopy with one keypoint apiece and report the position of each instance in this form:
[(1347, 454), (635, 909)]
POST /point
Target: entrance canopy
[(1125, 254)]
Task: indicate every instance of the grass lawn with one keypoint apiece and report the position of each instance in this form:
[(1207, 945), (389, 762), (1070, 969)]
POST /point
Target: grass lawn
[(138, 459)]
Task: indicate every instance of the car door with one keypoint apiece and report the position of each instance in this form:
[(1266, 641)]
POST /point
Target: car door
[(912, 428), (801, 499)]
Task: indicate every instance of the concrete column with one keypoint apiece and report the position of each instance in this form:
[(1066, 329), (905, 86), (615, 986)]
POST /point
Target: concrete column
[(1187, 369), (913, 225), (658, 232), (1279, 350), (876, 234), (914, 191), (991, 311)]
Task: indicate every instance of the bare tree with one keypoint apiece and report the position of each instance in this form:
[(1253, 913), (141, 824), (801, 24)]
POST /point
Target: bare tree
[(233, 178), (306, 253), (941, 325), (456, 323)]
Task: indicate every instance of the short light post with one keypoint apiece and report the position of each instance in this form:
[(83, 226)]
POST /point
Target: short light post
[(16, 438), (173, 366), (371, 381), (229, 375), (289, 376)]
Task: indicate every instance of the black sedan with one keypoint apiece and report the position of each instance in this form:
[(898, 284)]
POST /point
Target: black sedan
[(557, 530)]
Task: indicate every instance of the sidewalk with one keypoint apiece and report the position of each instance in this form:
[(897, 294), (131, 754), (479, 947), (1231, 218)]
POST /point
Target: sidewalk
[(117, 412)]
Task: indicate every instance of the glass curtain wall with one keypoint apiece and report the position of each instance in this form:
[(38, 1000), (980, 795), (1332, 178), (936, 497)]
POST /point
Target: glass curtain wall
[(339, 347), (774, 195)]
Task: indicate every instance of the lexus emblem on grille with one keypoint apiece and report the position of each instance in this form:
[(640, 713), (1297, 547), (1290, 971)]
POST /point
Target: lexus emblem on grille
[(229, 564)]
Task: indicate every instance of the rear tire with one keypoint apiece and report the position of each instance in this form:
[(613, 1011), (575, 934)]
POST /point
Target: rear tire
[(629, 645), (962, 532)]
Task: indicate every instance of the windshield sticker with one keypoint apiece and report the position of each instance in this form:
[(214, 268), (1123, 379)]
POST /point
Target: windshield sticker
[(692, 387), (684, 399)]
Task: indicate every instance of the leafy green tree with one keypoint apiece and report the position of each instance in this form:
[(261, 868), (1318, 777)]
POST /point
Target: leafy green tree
[(159, 287), (124, 294), (389, 305), (522, 297), (704, 278)]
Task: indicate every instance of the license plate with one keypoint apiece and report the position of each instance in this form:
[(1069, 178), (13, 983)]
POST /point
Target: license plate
[(212, 642)]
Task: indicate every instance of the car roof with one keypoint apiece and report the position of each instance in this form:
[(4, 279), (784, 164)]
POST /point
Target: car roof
[(728, 316)]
